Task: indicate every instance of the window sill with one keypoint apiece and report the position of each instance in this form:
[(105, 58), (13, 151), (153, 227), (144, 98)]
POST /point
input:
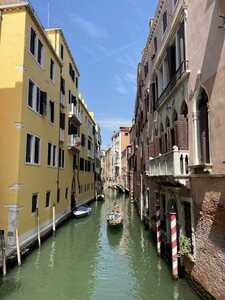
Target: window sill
[(32, 164)]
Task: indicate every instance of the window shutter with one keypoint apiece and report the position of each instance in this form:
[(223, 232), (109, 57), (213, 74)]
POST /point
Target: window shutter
[(43, 102), (30, 96), (222, 8)]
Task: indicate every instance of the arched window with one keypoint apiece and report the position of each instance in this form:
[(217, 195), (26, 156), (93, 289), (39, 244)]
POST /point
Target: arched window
[(167, 135), (184, 120), (173, 134), (161, 138), (203, 127)]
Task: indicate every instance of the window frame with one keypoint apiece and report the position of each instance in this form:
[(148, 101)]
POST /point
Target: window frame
[(32, 149), (33, 212)]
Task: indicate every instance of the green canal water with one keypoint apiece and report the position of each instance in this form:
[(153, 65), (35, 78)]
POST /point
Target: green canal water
[(87, 261)]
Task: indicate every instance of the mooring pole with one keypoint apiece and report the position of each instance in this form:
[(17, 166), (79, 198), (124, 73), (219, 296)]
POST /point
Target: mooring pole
[(173, 229), (18, 248), (38, 229), (53, 218), (158, 229), (3, 256)]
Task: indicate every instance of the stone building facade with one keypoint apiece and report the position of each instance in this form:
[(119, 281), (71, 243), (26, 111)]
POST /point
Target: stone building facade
[(178, 157)]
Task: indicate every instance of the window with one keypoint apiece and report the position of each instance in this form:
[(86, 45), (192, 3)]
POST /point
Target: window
[(66, 193), (89, 144), (52, 70), (34, 203), (47, 199), (62, 86), (76, 82), (54, 155), (61, 158), (40, 54), (83, 140), (58, 195), (32, 149), (126, 133), (71, 72), (33, 37), (52, 111), (81, 164), (62, 52), (37, 99), (164, 21), (62, 121), (155, 44)]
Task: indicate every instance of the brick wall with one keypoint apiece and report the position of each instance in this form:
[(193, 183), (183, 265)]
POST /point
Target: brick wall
[(209, 212)]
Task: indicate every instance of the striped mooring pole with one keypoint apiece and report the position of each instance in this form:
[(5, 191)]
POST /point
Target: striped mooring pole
[(158, 236), (173, 228)]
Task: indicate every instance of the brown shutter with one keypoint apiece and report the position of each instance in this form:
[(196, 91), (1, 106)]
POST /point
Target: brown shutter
[(221, 8)]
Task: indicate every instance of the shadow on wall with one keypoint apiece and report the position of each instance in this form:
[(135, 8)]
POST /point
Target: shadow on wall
[(214, 47)]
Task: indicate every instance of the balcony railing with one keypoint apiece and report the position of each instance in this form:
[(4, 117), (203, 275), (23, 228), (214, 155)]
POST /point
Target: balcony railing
[(174, 163), (75, 114), (183, 68), (62, 135), (91, 153), (74, 142)]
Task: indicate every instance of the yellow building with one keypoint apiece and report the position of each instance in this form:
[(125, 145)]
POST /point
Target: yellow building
[(44, 123)]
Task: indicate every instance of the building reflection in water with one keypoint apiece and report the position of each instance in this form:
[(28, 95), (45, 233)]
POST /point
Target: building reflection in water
[(52, 255)]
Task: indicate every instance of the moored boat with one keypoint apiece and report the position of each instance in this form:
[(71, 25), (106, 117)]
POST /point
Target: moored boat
[(82, 211), (100, 197), (115, 218)]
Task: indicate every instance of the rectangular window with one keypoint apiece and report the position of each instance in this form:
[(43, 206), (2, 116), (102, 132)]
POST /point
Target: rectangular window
[(34, 203), (29, 148), (37, 150), (62, 121), (164, 21), (47, 199), (71, 72), (54, 155), (40, 56), (66, 193), (155, 44), (81, 164), (62, 52), (52, 111), (89, 145), (31, 93), (52, 70), (76, 82), (83, 140), (62, 86), (49, 154), (43, 102), (37, 108), (32, 149), (61, 159), (33, 37)]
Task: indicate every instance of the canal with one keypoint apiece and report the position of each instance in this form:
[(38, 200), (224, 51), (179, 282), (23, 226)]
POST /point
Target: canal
[(87, 261)]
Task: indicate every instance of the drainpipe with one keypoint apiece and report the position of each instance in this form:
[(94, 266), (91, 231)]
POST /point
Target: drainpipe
[(141, 206)]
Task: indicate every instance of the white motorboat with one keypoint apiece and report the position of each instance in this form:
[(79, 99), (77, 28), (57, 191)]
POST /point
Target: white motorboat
[(82, 211)]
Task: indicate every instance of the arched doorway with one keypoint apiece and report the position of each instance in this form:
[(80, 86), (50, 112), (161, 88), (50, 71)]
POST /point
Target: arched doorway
[(203, 127)]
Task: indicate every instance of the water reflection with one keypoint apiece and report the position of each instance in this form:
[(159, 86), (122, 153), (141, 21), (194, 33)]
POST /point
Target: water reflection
[(87, 261)]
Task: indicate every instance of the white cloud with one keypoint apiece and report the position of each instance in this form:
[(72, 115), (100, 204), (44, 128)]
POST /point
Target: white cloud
[(93, 30), (113, 123)]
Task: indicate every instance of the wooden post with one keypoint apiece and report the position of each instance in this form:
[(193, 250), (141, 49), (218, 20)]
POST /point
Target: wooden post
[(18, 248), (158, 231), (173, 228), (3, 255), (38, 229), (53, 218)]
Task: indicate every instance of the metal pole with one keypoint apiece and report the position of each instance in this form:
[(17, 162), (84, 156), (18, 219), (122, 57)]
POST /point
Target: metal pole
[(3, 256), (38, 229), (158, 233), (173, 228), (18, 248)]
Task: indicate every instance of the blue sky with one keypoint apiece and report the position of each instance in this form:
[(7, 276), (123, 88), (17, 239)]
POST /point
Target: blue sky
[(106, 38)]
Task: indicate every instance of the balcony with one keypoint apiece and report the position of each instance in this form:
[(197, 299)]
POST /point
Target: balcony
[(90, 153), (177, 77), (74, 142), (74, 114), (174, 163), (61, 135)]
